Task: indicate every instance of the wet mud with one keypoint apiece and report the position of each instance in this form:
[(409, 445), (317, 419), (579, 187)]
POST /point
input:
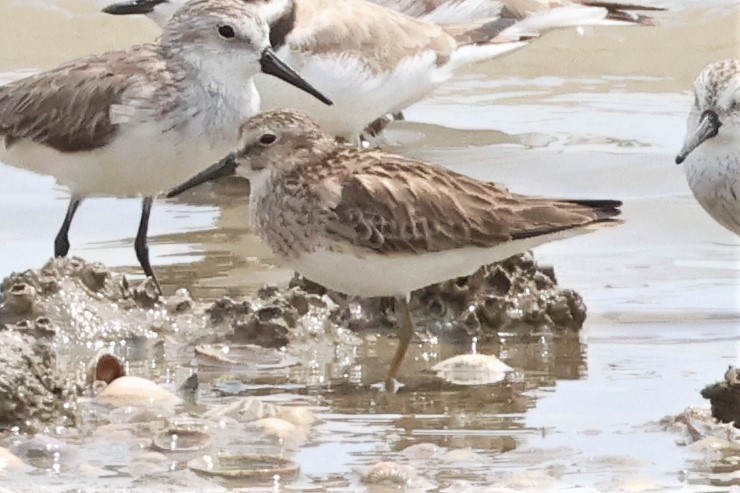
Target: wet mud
[(56, 319)]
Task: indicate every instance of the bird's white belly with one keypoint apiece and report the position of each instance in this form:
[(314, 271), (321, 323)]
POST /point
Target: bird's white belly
[(126, 167), (713, 173), (398, 275), (359, 96), (146, 155)]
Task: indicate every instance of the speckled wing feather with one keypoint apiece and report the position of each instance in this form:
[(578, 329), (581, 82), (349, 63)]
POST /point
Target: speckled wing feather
[(390, 204), (73, 107)]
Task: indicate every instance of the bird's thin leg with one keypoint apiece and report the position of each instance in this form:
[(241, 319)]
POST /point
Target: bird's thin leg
[(405, 333), (140, 244), (61, 242)]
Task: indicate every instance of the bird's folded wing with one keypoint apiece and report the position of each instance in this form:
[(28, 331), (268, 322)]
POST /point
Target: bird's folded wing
[(403, 206), (77, 106)]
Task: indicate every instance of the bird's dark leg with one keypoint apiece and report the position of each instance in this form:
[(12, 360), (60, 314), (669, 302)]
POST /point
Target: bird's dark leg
[(140, 244), (61, 242), (405, 333)]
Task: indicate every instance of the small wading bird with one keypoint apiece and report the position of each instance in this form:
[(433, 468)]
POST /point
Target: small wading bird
[(368, 223), (372, 61), (711, 150), (136, 122)]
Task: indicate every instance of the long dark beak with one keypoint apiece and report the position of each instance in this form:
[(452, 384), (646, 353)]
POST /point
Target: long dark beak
[(272, 65), (708, 128), (132, 7), (225, 167)]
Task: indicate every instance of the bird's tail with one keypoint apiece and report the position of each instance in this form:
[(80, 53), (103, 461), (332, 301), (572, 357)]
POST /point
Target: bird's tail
[(618, 13), (604, 209), (485, 40)]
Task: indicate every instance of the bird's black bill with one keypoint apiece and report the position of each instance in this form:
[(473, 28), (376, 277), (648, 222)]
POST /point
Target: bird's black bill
[(132, 7), (225, 167), (709, 125), (272, 65)]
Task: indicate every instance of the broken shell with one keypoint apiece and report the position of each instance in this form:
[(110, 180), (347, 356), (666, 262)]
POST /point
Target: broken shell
[(422, 451), (179, 302), (94, 275), (472, 369), (108, 368), (277, 427), (388, 473), (243, 466), (136, 391), (146, 294), (299, 416), (9, 461), (181, 440), (246, 409)]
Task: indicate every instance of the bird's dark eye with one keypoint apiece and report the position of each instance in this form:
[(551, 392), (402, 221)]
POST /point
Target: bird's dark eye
[(268, 139), (226, 32)]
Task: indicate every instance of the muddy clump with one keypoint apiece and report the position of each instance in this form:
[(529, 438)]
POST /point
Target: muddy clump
[(511, 296), (87, 302), (725, 397), (58, 318), (275, 317), (33, 392)]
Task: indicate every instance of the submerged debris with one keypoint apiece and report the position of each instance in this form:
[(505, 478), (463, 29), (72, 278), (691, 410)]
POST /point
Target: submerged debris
[(104, 368), (182, 440), (243, 466), (388, 473)]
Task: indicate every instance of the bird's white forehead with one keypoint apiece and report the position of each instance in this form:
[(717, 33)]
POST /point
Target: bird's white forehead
[(718, 86)]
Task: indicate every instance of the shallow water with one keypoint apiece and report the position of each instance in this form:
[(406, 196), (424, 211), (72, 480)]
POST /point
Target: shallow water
[(597, 112)]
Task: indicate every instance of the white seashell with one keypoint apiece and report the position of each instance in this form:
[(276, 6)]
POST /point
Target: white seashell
[(136, 391), (472, 369), (298, 415), (9, 461), (277, 427)]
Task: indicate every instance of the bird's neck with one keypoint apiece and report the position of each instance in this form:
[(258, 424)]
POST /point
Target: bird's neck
[(218, 88), (212, 105)]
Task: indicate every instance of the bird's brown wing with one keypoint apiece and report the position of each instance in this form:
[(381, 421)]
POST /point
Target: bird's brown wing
[(390, 204), (69, 108)]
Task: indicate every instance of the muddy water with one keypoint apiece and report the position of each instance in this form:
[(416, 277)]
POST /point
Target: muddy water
[(581, 113)]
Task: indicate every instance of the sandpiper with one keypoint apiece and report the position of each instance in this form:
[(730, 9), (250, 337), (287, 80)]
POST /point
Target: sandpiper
[(368, 223), (373, 61), (443, 11), (447, 11), (137, 122), (711, 150)]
